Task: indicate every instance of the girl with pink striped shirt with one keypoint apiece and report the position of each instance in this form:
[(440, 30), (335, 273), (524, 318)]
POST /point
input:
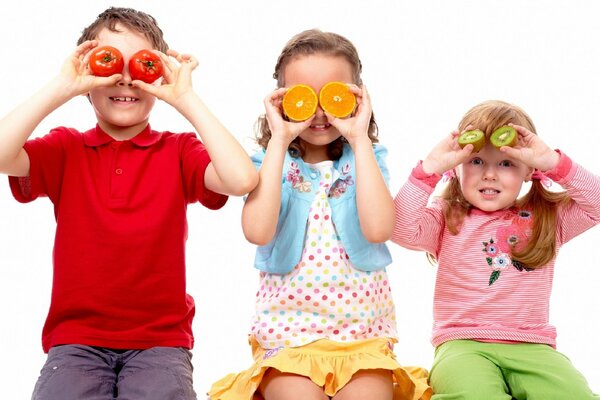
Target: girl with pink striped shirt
[(495, 253)]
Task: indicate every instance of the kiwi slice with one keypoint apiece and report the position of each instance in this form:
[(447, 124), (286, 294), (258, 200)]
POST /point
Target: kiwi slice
[(474, 137), (504, 136)]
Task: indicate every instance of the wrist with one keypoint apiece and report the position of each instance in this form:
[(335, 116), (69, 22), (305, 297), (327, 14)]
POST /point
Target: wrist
[(277, 142), (429, 167), (359, 142)]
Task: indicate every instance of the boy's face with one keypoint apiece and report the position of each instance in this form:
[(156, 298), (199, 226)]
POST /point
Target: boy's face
[(122, 110)]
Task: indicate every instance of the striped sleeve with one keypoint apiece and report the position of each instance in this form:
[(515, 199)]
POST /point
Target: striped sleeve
[(583, 211), (417, 226)]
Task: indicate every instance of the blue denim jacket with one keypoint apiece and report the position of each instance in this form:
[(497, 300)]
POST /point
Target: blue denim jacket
[(299, 186)]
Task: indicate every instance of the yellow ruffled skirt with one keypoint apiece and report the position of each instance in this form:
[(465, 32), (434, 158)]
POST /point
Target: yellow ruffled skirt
[(328, 364)]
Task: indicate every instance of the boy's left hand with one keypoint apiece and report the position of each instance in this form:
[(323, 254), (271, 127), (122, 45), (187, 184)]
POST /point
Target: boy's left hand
[(357, 125), (176, 80), (531, 150)]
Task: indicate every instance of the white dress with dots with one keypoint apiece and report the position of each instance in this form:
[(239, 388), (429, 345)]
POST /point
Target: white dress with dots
[(324, 296)]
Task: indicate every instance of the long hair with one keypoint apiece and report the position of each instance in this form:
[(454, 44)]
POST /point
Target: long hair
[(309, 42), (542, 203), (130, 18)]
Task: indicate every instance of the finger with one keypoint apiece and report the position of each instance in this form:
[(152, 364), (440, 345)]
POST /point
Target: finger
[(521, 130), (146, 87), (275, 96), (85, 47), (511, 152)]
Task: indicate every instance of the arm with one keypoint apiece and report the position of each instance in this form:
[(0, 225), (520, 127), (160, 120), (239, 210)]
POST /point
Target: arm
[(373, 199), (583, 187), (418, 226), (230, 171), (16, 127), (261, 210)]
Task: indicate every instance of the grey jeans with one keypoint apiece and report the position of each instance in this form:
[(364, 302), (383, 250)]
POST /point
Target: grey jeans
[(77, 372)]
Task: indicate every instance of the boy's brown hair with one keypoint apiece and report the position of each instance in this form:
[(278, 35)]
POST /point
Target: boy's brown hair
[(542, 203), (130, 18), (309, 42)]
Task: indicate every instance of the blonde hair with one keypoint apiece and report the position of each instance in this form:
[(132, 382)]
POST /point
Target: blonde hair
[(542, 203), (309, 42)]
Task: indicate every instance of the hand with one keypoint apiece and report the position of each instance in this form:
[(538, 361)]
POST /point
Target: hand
[(282, 130), (531, 150), (75, 75), (446, 155), (177, 77), (357, 125)]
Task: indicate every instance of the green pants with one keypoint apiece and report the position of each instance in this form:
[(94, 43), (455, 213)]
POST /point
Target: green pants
[(467, 369)]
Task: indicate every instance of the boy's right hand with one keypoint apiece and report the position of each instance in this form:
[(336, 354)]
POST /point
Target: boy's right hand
[(282, 130), (75, 76), (446, 155)]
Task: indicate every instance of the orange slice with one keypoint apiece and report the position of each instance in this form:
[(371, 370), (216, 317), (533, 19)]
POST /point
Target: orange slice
[(337, 99), (300, 102)]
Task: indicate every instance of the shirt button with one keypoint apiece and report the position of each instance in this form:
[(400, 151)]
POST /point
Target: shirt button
[(118, 171)]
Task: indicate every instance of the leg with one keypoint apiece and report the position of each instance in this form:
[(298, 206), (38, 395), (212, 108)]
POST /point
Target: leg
[(537, 371), (159, 373), (373, 384), (281, 386), (74, 372), (463, 370)]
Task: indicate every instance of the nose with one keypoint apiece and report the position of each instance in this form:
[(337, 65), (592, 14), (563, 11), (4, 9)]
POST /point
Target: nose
[(125, 78), (319, 112), (490, 173)]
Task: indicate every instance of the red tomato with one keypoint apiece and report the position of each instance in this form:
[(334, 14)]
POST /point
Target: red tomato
[(106, 61), (146, 66)]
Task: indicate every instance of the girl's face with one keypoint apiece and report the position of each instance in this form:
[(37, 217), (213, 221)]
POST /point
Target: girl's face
[(315, 70), (122, 110), (490, 180)]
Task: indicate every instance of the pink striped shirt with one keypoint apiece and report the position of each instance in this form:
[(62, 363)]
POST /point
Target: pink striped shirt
[(479, 293)]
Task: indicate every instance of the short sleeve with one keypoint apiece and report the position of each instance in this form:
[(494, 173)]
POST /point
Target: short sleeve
[(46, 165), (380, 156), (194, 161)]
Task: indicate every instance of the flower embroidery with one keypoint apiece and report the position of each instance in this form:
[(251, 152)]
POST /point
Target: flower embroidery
[(293, 176), (340, 186), (509, 238), (271, 352)]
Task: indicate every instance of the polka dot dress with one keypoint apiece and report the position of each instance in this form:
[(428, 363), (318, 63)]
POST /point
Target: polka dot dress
[(324, 296)]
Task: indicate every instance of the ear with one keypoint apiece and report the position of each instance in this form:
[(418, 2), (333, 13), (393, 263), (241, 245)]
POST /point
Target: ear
[(529, 174)]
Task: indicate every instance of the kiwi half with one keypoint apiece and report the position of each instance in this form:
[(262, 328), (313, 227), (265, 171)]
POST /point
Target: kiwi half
[(474, 137), (504, 136)]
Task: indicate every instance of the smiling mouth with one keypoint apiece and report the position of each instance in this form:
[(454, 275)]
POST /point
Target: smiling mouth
[(489, 192), (124, 99), (320, 127)]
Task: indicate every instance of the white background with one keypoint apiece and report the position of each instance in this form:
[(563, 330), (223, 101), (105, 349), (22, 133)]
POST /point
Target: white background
[(425, 63)]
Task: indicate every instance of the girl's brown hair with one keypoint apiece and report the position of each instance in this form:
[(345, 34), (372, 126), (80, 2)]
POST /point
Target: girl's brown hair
[(130, 18), (543, 204), (315, 41)]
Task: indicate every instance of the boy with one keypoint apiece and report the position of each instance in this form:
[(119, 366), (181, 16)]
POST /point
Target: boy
[(119, 324)]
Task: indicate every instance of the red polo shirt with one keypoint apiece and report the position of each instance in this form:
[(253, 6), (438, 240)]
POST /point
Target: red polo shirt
[(119, 251)]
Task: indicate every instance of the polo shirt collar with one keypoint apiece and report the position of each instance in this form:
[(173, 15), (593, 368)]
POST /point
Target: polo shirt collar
[(97, 137)]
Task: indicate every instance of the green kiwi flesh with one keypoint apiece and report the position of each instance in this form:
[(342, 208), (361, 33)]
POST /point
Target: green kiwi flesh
[(504, 136), (474, 137)]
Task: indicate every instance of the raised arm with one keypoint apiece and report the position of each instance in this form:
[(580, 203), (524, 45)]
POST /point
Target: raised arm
[(16, 127), (230, 172), (373, 199), (261, 210)]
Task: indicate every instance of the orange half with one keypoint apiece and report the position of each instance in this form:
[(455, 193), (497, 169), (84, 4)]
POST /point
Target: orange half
[(337, 99), (299, 102)]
